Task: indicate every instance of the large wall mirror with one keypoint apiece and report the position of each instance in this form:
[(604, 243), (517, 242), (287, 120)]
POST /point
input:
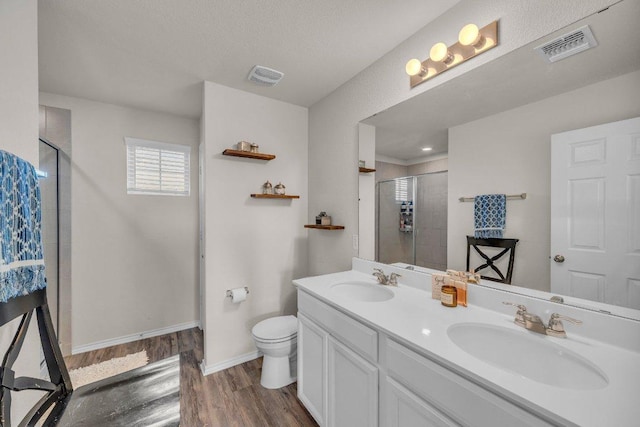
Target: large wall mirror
[(490, 131)]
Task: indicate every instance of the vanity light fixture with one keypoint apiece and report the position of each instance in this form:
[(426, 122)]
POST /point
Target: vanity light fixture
[(440, 53), (470, 35), (414, 68), (472, 41)]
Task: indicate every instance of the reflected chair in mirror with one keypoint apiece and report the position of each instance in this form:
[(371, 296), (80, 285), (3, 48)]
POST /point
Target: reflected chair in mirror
[(503, 246)]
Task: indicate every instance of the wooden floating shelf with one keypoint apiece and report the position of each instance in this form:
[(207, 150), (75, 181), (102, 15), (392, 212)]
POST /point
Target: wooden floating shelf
[(366, 170), (325, 227), (248, 154), (274, 196)]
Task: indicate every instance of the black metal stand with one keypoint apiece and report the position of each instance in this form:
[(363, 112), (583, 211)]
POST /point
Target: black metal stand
[(59, 385)]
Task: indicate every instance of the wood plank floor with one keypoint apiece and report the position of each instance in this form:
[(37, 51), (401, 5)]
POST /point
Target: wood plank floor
[(229, 398)]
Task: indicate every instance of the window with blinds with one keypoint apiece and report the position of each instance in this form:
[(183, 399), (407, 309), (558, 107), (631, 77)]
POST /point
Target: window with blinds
[(402, 190), (157, 168)]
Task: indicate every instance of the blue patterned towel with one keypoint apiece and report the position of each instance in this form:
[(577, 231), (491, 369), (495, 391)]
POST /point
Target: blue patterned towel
[(490, 212), (21, 264)]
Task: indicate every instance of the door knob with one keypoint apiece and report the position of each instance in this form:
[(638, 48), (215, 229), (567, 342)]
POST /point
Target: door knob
[(558, 258)]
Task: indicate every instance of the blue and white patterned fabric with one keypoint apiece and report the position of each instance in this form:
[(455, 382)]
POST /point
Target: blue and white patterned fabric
[(22, 264), (490, 213)]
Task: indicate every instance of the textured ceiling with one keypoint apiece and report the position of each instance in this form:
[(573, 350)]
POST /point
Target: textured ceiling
[(513, 80), (154, 54)]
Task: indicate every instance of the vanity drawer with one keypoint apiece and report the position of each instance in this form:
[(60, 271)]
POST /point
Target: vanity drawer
[(354, 334), (462, 400)]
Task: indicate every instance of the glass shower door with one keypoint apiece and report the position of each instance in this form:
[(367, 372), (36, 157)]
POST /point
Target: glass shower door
[(50, 235), (395, 221), (431, 224)]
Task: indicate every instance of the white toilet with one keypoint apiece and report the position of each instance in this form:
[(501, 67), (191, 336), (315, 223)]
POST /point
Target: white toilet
[(277, 339)]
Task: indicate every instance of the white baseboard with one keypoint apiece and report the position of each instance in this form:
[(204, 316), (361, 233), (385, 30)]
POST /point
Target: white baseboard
[(134, 337), (225, 364)]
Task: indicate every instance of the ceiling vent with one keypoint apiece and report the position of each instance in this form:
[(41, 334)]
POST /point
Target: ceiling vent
[(265, 76), (568, 44)]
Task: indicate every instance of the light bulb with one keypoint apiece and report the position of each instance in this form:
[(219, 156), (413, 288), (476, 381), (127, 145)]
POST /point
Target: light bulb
[(414, 68), (427, 149), (440, 53), (470, 36)]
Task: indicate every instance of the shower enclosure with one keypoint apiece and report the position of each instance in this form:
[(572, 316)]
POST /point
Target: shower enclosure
[(49, 190), (411, 220)]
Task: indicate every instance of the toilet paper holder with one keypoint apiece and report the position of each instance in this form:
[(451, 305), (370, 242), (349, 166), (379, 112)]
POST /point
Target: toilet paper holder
[(246, 288)]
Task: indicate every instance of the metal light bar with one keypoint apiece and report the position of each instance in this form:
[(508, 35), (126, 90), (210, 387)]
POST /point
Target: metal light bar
[(459, 54)]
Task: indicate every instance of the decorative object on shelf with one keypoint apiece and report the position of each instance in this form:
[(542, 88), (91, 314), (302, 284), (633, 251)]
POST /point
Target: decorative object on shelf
[(362, 163), (279, 189), (267, 188), (254, 148), (325, 220), (244, 146), (472, 41), (319, 217)]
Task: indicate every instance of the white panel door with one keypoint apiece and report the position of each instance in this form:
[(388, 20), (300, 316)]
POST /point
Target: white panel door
[(595, 213), (352, 388)]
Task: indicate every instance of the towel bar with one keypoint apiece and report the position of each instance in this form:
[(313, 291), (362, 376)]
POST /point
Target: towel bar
[(521, 196)]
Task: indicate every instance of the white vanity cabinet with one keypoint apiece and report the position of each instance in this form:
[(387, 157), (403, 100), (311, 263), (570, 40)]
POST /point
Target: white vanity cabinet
[(351, 375), (312, 360), (337, 374), (428, 385), (399, 407), (352, 398)]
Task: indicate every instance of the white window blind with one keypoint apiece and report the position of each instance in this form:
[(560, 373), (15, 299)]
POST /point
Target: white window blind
[(402, 190), (157, 168)]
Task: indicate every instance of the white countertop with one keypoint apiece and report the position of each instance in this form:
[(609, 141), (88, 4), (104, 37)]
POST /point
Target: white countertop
[(415, 319)]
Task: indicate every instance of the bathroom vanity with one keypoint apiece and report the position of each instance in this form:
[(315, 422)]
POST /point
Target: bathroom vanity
[(372, 355)]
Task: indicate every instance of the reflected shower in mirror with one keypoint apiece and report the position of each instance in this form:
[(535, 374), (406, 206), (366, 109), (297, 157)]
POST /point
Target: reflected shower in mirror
[(493, 127), (411, 220)]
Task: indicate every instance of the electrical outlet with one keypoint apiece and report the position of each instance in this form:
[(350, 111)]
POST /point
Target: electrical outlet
[(355, 242)]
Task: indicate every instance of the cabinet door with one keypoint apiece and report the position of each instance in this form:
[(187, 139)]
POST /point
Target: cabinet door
[(352, 388), (312, 358), (401, 408)]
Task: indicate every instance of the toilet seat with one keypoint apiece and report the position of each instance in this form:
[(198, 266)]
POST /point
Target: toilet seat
[(276, 329)]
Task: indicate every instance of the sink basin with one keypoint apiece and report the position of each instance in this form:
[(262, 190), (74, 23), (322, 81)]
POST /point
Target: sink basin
[(527, 354), (363, 291)]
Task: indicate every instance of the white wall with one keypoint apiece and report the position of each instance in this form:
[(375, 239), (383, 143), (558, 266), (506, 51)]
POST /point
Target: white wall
[(333, 138), (510, 153), (134, 258), (19, 135), (19, 78), (257, 243)]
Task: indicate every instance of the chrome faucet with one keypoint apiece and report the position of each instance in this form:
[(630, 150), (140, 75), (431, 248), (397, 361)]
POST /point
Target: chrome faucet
[(382, 278), (556, 328), (534, 323), (391, 280)]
